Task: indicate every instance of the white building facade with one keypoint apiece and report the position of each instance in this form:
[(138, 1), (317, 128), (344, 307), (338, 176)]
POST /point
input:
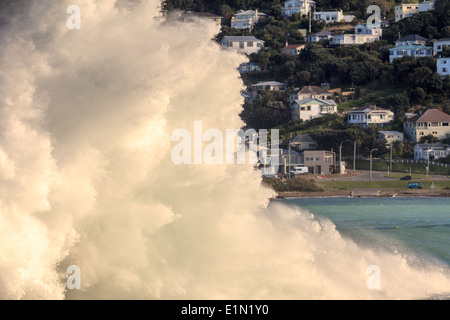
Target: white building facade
[(439, 45), (329, 16), (242, 44), (302, 7), (246, 19), (405, 11), (312, 108), (443, 66), (369, 115), (431, 151), (411, 51)]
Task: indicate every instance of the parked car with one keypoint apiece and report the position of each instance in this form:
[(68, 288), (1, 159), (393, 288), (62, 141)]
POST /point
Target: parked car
[(415, 185), (406, 178), (299, 170)]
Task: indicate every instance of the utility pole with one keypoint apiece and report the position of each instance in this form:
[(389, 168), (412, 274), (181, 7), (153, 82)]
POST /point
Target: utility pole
[(371, 163), (340, 156), (354, 156)]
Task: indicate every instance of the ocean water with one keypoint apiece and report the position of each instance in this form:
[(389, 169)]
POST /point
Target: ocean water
[(419, 228)]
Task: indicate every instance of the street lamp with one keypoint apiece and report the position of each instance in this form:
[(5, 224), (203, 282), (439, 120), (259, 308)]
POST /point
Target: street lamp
[(340, 156), (371, 163)]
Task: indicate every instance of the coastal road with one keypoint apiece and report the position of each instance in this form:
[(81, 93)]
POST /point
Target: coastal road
[(363, 175)]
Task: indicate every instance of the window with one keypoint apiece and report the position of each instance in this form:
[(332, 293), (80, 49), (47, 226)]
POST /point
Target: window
[(445, 124), (302, 108), (259, 45), (444, 69), (250, 44), (421, 134), (230, 43), (309, 108), (241, 45), (439, 47)]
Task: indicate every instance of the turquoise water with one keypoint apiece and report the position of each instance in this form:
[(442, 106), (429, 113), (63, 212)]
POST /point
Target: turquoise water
[(417, 226)]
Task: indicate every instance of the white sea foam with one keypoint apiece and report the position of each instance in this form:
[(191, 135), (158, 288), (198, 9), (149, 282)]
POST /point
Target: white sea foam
[(86, 176)]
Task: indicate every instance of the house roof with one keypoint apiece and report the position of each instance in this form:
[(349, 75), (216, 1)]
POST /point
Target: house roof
[(302, 138), (314, 101), (312, 89), (410, 47), (431, 115), (249, 12), (269, 83), (369, 107), (292, 46), (242, 38), (413, 37), (390, 132), (433, 146), (443, 39)]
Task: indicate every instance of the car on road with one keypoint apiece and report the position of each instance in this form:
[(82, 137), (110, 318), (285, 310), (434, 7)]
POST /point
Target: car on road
[(415, 185), (299, 170)]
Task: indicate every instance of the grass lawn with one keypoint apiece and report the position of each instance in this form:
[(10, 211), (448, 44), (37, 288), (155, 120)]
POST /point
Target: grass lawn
[(369, 98), (395, 184)]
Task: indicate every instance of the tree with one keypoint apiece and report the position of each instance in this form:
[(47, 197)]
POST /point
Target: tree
[(429, 139)]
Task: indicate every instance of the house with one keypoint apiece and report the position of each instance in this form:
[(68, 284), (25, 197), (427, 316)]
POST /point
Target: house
[(242, 44), (432, 121), (293, 49), (249, 67), (391, 136), (411, 40), (303, 142), (370, 114), (431, 151), (412, 51), (405, 11), (439, 45), (312, 108), (329, 16), (302, 7), (348, 18), (426, 6), (319, 161), (310, 92), (268, 86), (443, 67), (289, 159), (318, 36), (371, 30), (352, 39), (246, 19)]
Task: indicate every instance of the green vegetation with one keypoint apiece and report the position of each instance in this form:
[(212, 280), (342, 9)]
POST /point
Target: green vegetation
[(293, 184), (402, 167)]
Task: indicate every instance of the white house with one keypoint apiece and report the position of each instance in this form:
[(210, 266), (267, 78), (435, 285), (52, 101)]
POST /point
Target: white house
[(292, 49), (371, 114), (310, 92), (431, 151), (443, 66), (249, 67), (411, 40), (302, 7), (412, 51), (371, 30), (318, 36), (329, 16), (242, 44), (391, 136), (312, 108), (426, 6), (352, 39), (268, 86), (405, 11), (432, 121), (246, 19), (304, 142), (439, 45)]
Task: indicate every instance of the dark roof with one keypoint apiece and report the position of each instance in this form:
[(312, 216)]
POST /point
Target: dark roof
[(312, 89), (431, 115), (302, 138), (413, 37), (444, 39)]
